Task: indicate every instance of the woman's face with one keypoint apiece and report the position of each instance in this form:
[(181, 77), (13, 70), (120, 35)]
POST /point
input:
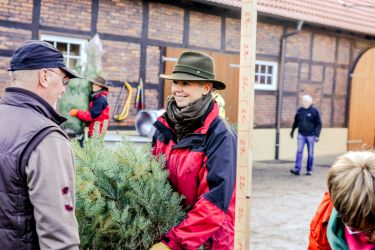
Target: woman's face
[(187, 92)]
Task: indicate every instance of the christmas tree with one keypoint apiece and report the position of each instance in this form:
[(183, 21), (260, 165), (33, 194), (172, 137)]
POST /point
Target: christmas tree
[(124, 200), (77, 94)]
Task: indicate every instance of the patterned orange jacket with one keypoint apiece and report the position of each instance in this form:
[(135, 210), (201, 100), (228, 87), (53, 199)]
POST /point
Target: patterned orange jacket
[(318, 226)]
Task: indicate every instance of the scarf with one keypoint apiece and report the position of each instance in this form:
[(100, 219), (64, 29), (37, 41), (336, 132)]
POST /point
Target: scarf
[(187, 119)]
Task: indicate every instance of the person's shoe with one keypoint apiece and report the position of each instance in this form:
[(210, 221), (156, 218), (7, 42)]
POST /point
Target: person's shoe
[(294, 172), (309, 173)]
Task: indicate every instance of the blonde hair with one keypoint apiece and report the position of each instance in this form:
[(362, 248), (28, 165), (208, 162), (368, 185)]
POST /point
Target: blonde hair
[(351, 184)]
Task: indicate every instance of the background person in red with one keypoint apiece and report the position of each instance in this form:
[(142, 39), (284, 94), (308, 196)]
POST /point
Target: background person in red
[(99, 110), (200, 149)]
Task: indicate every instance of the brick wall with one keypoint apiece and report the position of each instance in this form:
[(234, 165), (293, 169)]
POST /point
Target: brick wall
[(232, 34), (16, 10), (165, 22), (289, 110), (264, 110), (18, 37), (120, 17), (324, 48), (341, 82), (205, 30), (317, 73), (268, 38), (121, 61), (298, 46), (153, 64), (291, 77), (326, 112), (151, 99), (66, 14), (339, 111), (343, 56), (328, 81), (10, 37)]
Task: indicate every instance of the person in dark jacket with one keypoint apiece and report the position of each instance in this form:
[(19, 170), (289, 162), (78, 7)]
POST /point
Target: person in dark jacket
[(99, 110), (308, 122), (200, 149), (37, 172)]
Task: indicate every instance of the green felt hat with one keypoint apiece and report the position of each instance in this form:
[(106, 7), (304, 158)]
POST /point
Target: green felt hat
[(195, 66)]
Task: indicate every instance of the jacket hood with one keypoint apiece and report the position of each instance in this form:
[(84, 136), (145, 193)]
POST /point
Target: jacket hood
[(336, 232)]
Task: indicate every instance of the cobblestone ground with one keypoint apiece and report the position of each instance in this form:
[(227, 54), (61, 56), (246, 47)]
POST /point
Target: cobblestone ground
[(284, 204)]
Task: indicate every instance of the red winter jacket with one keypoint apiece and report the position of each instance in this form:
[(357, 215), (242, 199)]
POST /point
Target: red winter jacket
[(202, 168), (99, 111)]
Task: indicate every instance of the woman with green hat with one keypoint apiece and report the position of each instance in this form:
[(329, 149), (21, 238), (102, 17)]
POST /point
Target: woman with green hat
[(200, 151)]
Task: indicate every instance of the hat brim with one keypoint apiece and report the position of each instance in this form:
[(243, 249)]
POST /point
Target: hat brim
[(70, 73), (188, 77), (99, 84)]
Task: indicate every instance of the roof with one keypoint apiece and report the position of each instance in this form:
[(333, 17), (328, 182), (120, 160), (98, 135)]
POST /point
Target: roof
[(231, 3), (351, 15)]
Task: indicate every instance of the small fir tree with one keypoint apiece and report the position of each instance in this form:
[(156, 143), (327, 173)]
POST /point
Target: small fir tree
[(124, 200)]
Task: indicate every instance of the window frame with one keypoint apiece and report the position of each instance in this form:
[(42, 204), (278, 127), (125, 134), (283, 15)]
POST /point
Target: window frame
[(68, 40), (273, 85)]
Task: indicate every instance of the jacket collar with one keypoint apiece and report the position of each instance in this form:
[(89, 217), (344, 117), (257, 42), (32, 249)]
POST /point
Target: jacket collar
[(309, 108), (195, 139), (99, 93), (23, 98)]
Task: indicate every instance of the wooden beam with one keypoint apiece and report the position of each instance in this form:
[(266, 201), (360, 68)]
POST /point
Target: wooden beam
[(245, 124)]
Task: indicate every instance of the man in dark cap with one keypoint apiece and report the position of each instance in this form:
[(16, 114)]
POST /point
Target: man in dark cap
[(37, 189)]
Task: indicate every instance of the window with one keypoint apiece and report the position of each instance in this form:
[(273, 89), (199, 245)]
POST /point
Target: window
[(265, 75), (72, 48)]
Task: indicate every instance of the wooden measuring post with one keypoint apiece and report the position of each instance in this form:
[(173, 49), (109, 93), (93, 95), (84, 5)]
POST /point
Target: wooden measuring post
[(245, 124)]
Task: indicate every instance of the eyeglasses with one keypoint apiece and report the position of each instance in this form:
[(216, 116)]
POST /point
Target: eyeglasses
[(65, 79), (353, 231)]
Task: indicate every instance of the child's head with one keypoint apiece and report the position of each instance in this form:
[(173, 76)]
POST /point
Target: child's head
[(99, 83), (96, 88), (351, 184)]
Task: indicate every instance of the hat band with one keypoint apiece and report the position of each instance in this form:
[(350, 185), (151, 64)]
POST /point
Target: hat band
[(36, 65), (179, 68)]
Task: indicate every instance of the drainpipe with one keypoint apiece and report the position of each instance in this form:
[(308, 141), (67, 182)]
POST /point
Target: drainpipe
[(281, 84)]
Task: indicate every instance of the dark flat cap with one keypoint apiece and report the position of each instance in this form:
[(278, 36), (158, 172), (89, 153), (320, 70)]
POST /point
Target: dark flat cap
[(36, 54)]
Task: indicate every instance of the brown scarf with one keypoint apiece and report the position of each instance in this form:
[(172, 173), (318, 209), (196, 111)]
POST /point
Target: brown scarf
[(186, 120)]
